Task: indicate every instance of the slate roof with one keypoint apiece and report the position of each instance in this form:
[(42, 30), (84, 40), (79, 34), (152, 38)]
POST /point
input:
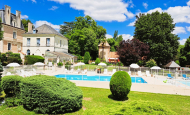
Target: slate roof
[(172, 64), (45, 29), (13, 17)]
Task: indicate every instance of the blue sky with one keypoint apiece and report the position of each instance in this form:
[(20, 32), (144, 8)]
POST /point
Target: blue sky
[(111, 14)]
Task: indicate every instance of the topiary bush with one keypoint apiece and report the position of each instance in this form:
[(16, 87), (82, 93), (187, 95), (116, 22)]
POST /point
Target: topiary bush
[(51, 95), (97, 61), (31, 59), (132, 108), (86, 57), (120, 85), (10, 84), (60, 64)]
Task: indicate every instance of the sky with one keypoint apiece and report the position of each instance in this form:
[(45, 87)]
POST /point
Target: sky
[(111, 14)]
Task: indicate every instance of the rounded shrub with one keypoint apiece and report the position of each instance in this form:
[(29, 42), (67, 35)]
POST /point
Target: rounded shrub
[(51, 95), (10, 84), (31, 59), (97, 61), (120, 84)]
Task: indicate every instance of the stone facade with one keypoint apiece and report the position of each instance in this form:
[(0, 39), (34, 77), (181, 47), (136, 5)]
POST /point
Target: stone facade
[(11, 24)]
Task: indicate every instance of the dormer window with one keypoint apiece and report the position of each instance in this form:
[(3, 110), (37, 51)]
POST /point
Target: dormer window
[(34, 31)]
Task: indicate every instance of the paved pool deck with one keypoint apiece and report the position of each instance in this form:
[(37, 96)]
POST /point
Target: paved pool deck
[(153, 85)]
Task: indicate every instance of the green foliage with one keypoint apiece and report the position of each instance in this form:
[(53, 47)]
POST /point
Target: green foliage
[(79, 57), (25, 24), (151, 63), (97, 61), (13, 101), (156, 30), (177, 61), (115, 35), (51, 95), (10, 84), (10, 57), (119, 64), (1, 70), (60, 64), (84, 35), (132, 108), (86, 57), (1, 32), (120, 85), (185, 53), (111, 42), (31, 59), (141, 62)]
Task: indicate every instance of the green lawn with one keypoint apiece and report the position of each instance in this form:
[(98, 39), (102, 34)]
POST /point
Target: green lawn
[(95, 97)]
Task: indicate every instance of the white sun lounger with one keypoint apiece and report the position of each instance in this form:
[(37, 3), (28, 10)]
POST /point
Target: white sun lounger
[(139, 73), (105, 71), (148, 74)]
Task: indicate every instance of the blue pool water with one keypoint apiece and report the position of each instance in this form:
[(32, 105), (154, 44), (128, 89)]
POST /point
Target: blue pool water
[(185, 82), (96, 78)]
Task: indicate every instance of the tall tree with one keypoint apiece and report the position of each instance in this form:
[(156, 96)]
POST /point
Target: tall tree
[(112, 43), (115, 34), (84, 35), (185, 53), (131, 51), (156, 30), (1, 32), (25, 24)]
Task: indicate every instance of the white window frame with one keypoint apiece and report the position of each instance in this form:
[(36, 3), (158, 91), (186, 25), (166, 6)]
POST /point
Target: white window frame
[(27, 41), (8, 46), (15, 35), (27, 51), (37, 42), (47, 43)]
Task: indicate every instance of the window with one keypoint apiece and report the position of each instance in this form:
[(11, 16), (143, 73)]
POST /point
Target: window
[(14, 35), (38, 41), (28, 52), (28, 41), (48, 50), (9, 46), (60, 43), (47, 41)]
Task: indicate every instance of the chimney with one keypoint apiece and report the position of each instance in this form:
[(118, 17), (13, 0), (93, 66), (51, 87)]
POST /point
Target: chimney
[(18, 18), (29, 26), (7, 14)]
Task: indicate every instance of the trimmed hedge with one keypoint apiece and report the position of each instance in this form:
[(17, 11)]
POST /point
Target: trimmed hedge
[(132, 108), (120, 84), (10, 84), (97, 61), (86, 57), (48, 94), (32, 59)]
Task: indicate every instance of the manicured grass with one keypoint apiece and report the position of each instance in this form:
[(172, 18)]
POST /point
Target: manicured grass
[(99, 98)]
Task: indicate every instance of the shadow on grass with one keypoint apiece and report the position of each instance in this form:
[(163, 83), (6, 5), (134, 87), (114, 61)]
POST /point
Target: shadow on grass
[(113, 98)]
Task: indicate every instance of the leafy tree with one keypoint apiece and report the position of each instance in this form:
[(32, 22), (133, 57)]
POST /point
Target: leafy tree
[(155, 29), (119, 39), (1, 70), (130, 51), (112, 43), (25, 24), (86, 57), (84, 35), (115, 34), (151, 63), (185, 54), (1, 32)]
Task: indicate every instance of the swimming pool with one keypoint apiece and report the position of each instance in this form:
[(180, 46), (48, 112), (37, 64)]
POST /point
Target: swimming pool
[(185, 82), (96, 78)]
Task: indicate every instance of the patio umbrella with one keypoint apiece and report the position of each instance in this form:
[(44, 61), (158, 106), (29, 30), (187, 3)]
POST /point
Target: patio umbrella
[(102, 64), (133, 65), (155, 67), (13, 65), (39, 64)]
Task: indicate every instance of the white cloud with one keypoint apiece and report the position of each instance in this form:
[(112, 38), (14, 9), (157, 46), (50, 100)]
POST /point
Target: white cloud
[(41, 22), (145, 5), (108, 36), (165, 4), (33, 1), (127, 36), (188, 28), (101, 10), (53, 8), (131, 3), (179, 30), (24, 16), (132, 23), (182, 42), (188, 3)]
